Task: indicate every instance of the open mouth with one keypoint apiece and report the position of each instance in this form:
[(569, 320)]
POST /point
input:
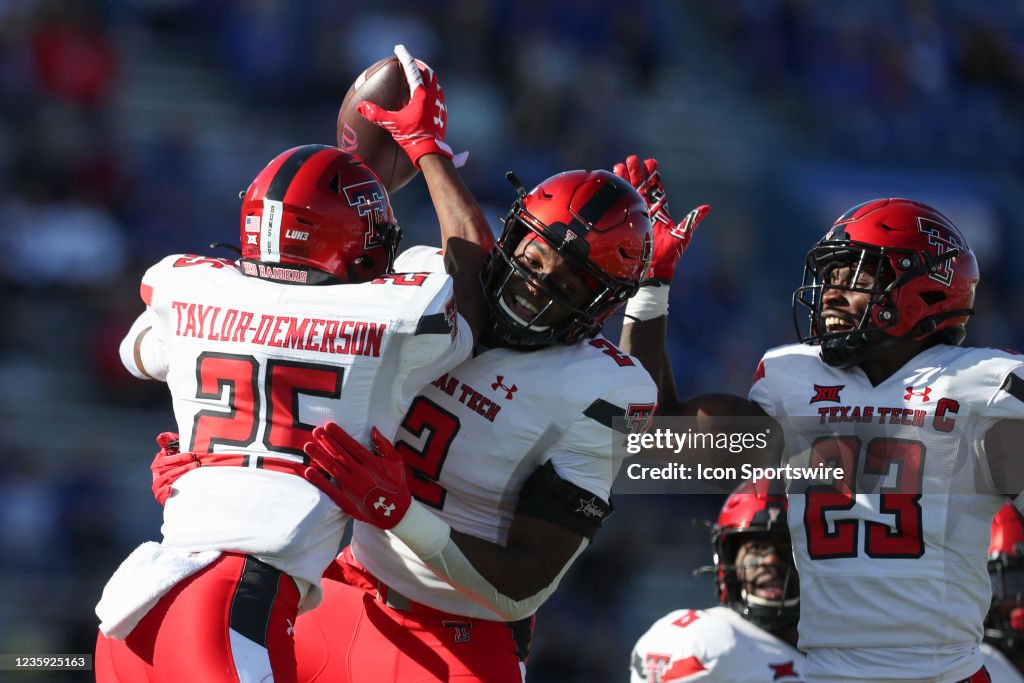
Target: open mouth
[(770, 591), (522, 310), (835, 323)]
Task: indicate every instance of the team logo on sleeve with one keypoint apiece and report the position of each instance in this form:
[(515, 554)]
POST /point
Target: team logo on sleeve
[(639, 417), (830, 393), (653, 666), (451, 316)]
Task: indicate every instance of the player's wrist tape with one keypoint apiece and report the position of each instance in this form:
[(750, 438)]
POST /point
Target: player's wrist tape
[(648, 303), (424, 532)]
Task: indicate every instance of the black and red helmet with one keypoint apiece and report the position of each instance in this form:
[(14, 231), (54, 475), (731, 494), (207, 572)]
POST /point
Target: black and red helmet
[(320, 213), (594, 220), (755, 510), (924, 276), (1004, 623)]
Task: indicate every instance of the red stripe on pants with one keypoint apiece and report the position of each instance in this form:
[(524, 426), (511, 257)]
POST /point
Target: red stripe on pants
[(184, 637)]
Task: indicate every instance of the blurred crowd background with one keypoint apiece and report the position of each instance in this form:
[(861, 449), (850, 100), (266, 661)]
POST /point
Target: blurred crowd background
[(129, 127)]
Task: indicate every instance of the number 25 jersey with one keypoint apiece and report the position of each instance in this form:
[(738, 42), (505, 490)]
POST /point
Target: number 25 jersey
[(253, 366)]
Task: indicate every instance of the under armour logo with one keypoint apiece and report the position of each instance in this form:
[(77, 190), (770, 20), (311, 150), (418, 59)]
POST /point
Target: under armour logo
[(382, 504), (498, 384), (923, 394), (291, 628), (439, 116), (460, 628)]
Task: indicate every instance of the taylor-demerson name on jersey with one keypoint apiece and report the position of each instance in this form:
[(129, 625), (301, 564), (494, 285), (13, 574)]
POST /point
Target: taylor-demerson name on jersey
[(892, 559), (716, 645), (254, 366), (477, 432)]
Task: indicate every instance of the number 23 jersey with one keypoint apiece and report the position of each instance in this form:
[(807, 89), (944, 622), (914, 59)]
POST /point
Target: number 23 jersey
[(892, 559)]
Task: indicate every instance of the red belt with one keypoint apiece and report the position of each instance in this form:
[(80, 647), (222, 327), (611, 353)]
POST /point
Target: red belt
[(258, 462)]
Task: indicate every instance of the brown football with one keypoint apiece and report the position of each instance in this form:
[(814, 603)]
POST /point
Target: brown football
[(384, 84)]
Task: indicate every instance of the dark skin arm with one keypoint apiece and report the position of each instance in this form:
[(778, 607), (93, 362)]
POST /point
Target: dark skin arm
[(535, 553), (645, 340), (465, 236)]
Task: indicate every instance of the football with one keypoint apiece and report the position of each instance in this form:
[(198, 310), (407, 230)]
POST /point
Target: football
[(384, 84)]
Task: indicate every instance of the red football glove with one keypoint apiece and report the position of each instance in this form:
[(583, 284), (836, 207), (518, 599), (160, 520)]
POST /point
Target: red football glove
[(418, 127), (670, 239), (368, 486), (169, 464)]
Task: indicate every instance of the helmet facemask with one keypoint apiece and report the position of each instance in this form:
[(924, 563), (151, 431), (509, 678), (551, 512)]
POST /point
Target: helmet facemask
[(387, 236), (504, 266), (772, 613), (879, 273)]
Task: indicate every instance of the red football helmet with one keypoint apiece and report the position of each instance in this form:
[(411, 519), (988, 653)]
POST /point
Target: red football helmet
[(1004, 624), (594, 220), (755, 510), (317, 214), (924, 278)]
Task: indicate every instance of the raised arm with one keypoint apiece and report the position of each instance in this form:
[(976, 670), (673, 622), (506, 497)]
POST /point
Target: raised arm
[(420, 128), (644, 331)]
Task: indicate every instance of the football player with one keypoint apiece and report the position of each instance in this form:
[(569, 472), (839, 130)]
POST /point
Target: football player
[(311, 324), (893, 580), (752, 637), (1004, 626), (500, 474)]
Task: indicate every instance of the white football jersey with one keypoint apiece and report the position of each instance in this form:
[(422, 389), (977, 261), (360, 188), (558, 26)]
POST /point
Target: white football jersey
[(476, 433), (893, 581), (253, 366), (715, 645), (999, 667)]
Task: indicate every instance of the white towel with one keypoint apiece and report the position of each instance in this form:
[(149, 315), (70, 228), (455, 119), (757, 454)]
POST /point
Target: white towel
[(143, 578)]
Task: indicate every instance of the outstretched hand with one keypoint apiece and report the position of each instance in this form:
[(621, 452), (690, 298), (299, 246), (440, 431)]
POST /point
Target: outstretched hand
[(671, 239), (420, 126), (369, 486)]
